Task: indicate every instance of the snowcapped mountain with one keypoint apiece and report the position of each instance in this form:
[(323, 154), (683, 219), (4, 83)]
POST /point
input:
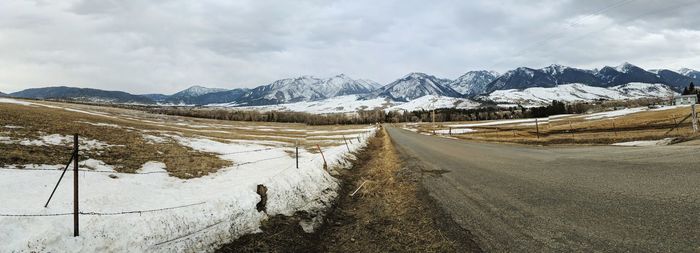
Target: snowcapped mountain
[(3, 94), (340, 92), (415, 85), (579, 92), (307, 88), (690, 73), (626, 73), (473, 83), (554, 75), (196, 90), (674, 79), (522, 78), (189, 95)]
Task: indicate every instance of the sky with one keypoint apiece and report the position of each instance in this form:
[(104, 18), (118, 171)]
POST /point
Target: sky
[(163, 46)]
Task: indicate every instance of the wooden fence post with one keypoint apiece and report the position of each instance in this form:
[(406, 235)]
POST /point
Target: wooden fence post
[(571, 129), (695, 118), (297, 153), (325, 165), (76, 209), (537, 127), (346, 143), (614, 128)]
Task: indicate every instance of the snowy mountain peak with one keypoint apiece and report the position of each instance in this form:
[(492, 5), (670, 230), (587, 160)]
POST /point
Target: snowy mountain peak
[(554, 69), (687, 71), (415, 85), (416, 75), (473, 82), (625, 67), (196, 90)]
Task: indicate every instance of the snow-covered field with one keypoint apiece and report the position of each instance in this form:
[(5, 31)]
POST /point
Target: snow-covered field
[(152, 211), (353, 103), (579, 92)]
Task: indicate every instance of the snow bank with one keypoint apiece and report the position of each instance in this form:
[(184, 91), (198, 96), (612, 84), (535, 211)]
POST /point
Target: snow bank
[(662, 142), (455, 131), (194, 215)]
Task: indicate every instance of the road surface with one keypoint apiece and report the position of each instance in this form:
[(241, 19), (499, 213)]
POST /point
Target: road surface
[(517, 198)]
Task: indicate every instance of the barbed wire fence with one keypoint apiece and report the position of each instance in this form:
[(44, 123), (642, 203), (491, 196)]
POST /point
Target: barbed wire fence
[(76, 154), (684, 126)]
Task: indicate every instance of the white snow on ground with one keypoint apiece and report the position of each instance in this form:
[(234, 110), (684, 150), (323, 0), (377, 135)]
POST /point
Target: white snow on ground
[(14, 101), (153, 139), (614, 114), (430, 102), (211, 210), (340, 104), (57, 139), (661, 142), (579, 92), (13, 127), (100, 124), (353, 103), (455, 131), (501, 122)]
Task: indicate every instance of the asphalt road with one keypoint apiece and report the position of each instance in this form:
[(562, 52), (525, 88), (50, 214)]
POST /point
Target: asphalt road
[(517, 198)]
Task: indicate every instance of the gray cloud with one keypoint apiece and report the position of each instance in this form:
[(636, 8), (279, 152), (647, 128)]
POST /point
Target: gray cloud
[(167, 45)]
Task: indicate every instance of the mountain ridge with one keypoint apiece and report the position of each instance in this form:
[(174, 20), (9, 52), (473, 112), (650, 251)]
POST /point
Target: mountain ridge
[(411, 86)]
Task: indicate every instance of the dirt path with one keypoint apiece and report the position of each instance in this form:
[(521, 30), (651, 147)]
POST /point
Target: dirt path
[(390, 213)]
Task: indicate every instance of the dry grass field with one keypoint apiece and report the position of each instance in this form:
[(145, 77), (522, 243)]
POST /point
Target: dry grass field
[(127, 139), (633, 124)]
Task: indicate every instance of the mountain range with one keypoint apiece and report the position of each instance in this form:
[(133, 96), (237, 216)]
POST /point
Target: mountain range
[(471, 85)]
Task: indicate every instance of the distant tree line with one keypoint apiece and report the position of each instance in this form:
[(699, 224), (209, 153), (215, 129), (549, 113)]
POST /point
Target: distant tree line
[(489, 112)]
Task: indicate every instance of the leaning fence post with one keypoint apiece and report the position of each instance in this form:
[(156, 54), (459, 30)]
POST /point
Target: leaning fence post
[(346, 143), (325, 165), (537, 128), (76, 210)]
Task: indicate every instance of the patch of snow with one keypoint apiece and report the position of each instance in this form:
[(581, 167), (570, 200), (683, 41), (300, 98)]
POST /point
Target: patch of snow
[(579, 92), (218, 208), (14, 101), (100, 124), (501, 122), (662, 142), (66, 140), (614, 114), (455, 131), (153, 139)]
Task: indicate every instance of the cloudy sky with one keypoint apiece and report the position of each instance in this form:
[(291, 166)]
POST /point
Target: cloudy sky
[(167, 45)]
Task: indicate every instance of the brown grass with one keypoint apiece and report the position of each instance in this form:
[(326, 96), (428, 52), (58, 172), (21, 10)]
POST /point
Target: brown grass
[(649, 125), (129, 153), (131, 150), (386, 214)]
